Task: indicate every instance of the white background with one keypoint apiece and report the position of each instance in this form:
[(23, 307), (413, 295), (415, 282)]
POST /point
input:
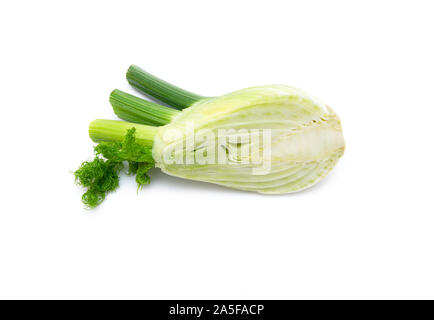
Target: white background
[(366, 231)]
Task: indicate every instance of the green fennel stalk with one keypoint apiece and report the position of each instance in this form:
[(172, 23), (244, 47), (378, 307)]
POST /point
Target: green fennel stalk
[(161, 90), (134, 109)]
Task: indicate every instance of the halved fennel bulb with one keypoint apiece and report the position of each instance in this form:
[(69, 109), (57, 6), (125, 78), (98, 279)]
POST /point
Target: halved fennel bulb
[(298, 140)]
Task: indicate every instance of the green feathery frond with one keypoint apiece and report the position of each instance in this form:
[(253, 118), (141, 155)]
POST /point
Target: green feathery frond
[(101, 175)]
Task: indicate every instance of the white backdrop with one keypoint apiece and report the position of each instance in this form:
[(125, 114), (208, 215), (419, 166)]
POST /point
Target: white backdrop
[(366, 231)]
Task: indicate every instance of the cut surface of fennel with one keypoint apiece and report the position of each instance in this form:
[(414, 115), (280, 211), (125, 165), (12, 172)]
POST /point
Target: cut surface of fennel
[(306, 140)]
